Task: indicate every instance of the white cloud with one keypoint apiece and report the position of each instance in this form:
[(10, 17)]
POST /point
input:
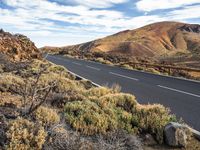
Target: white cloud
[(34, 19), (186, 13), (150, 5), (99, 3)]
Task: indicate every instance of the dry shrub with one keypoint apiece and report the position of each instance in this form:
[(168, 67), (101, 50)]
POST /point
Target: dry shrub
[(103, 61), (7, 99), (152, 119), (10, 83), (1, 68), (152, 70), (88, 118), (97, 92), (59, 100), (125, 101), (63, 84), (126, 66), (46, 116), (36, 65), (23, 134)]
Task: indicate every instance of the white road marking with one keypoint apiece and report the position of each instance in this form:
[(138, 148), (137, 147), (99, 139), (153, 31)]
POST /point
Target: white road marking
[(93, 68), (77, 63), (176, 90), (123, 76), (95, 84)]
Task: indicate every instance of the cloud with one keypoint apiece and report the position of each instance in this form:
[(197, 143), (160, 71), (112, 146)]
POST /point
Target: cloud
[(99, 3), (63, 23), (151, 5), (189, 12)]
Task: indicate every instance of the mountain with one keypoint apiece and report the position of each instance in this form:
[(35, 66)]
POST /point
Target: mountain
[(17, 47), (162, 40)]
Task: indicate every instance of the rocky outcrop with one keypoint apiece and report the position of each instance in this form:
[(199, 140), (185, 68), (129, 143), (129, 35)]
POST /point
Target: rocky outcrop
[(17, 47)]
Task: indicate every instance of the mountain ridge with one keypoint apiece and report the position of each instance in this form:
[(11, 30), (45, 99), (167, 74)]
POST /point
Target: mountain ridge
[(157, 41)]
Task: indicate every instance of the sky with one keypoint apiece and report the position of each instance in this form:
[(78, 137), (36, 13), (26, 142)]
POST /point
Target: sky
[(68, 22)]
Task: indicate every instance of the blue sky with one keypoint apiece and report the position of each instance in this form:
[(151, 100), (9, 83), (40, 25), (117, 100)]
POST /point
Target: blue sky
[(67, 22)]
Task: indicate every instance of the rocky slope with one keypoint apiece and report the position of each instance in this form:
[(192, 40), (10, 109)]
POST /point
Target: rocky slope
[(163, 40), (17, 47)]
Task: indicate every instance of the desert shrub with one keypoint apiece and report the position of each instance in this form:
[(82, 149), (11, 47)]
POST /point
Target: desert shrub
[(116, 88), (60, 70), (103, 61), (126, 66), (152, 119), (100, 59), (98, 91), (1, 68), (139, 68), (23, 134), (46, 116), (60, 138), (87, 84), (122, 105), (125, 101), (9, 99), (63, 84), (88, 118), (10, 83), (152, 70), (91, 116), (59, 100)]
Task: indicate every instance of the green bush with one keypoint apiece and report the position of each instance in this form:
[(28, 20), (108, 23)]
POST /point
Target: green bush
[(125, 101), (88, 118), (152, 119)]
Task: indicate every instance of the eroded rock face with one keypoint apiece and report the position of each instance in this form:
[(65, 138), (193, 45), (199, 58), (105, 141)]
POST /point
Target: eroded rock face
[(176, 135), (17, 47)]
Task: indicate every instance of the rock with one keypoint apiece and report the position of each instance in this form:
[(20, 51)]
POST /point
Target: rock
[(149, 140), (176, 135), (133, 143)]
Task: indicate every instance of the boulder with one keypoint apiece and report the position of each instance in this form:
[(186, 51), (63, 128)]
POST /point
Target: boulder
[(176, 135)]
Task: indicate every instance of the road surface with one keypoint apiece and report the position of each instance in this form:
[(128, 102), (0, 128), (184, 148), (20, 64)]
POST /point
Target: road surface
[(181, 96)]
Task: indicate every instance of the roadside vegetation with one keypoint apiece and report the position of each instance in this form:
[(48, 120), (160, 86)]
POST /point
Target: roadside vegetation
[(122, 61), (42, 106)]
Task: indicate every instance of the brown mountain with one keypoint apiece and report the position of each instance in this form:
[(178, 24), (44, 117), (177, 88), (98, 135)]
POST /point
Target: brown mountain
[(17, 47), (159, 40)]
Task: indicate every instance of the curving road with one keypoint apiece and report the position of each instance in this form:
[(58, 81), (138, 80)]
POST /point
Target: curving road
[(181, 96)]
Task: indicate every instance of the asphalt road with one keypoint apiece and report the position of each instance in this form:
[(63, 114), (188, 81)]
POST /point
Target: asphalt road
[(181, 96)]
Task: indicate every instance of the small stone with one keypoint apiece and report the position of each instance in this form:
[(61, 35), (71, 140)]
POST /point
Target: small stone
[(149, 140), (133, 143)]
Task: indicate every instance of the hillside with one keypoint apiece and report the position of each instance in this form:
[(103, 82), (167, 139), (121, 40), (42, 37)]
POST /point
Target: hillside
[(44, 107), (158, 41), (17, 47)]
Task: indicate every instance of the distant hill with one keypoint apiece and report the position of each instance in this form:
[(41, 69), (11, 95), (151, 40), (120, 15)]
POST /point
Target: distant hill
[(17, 47), (163, 40)]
